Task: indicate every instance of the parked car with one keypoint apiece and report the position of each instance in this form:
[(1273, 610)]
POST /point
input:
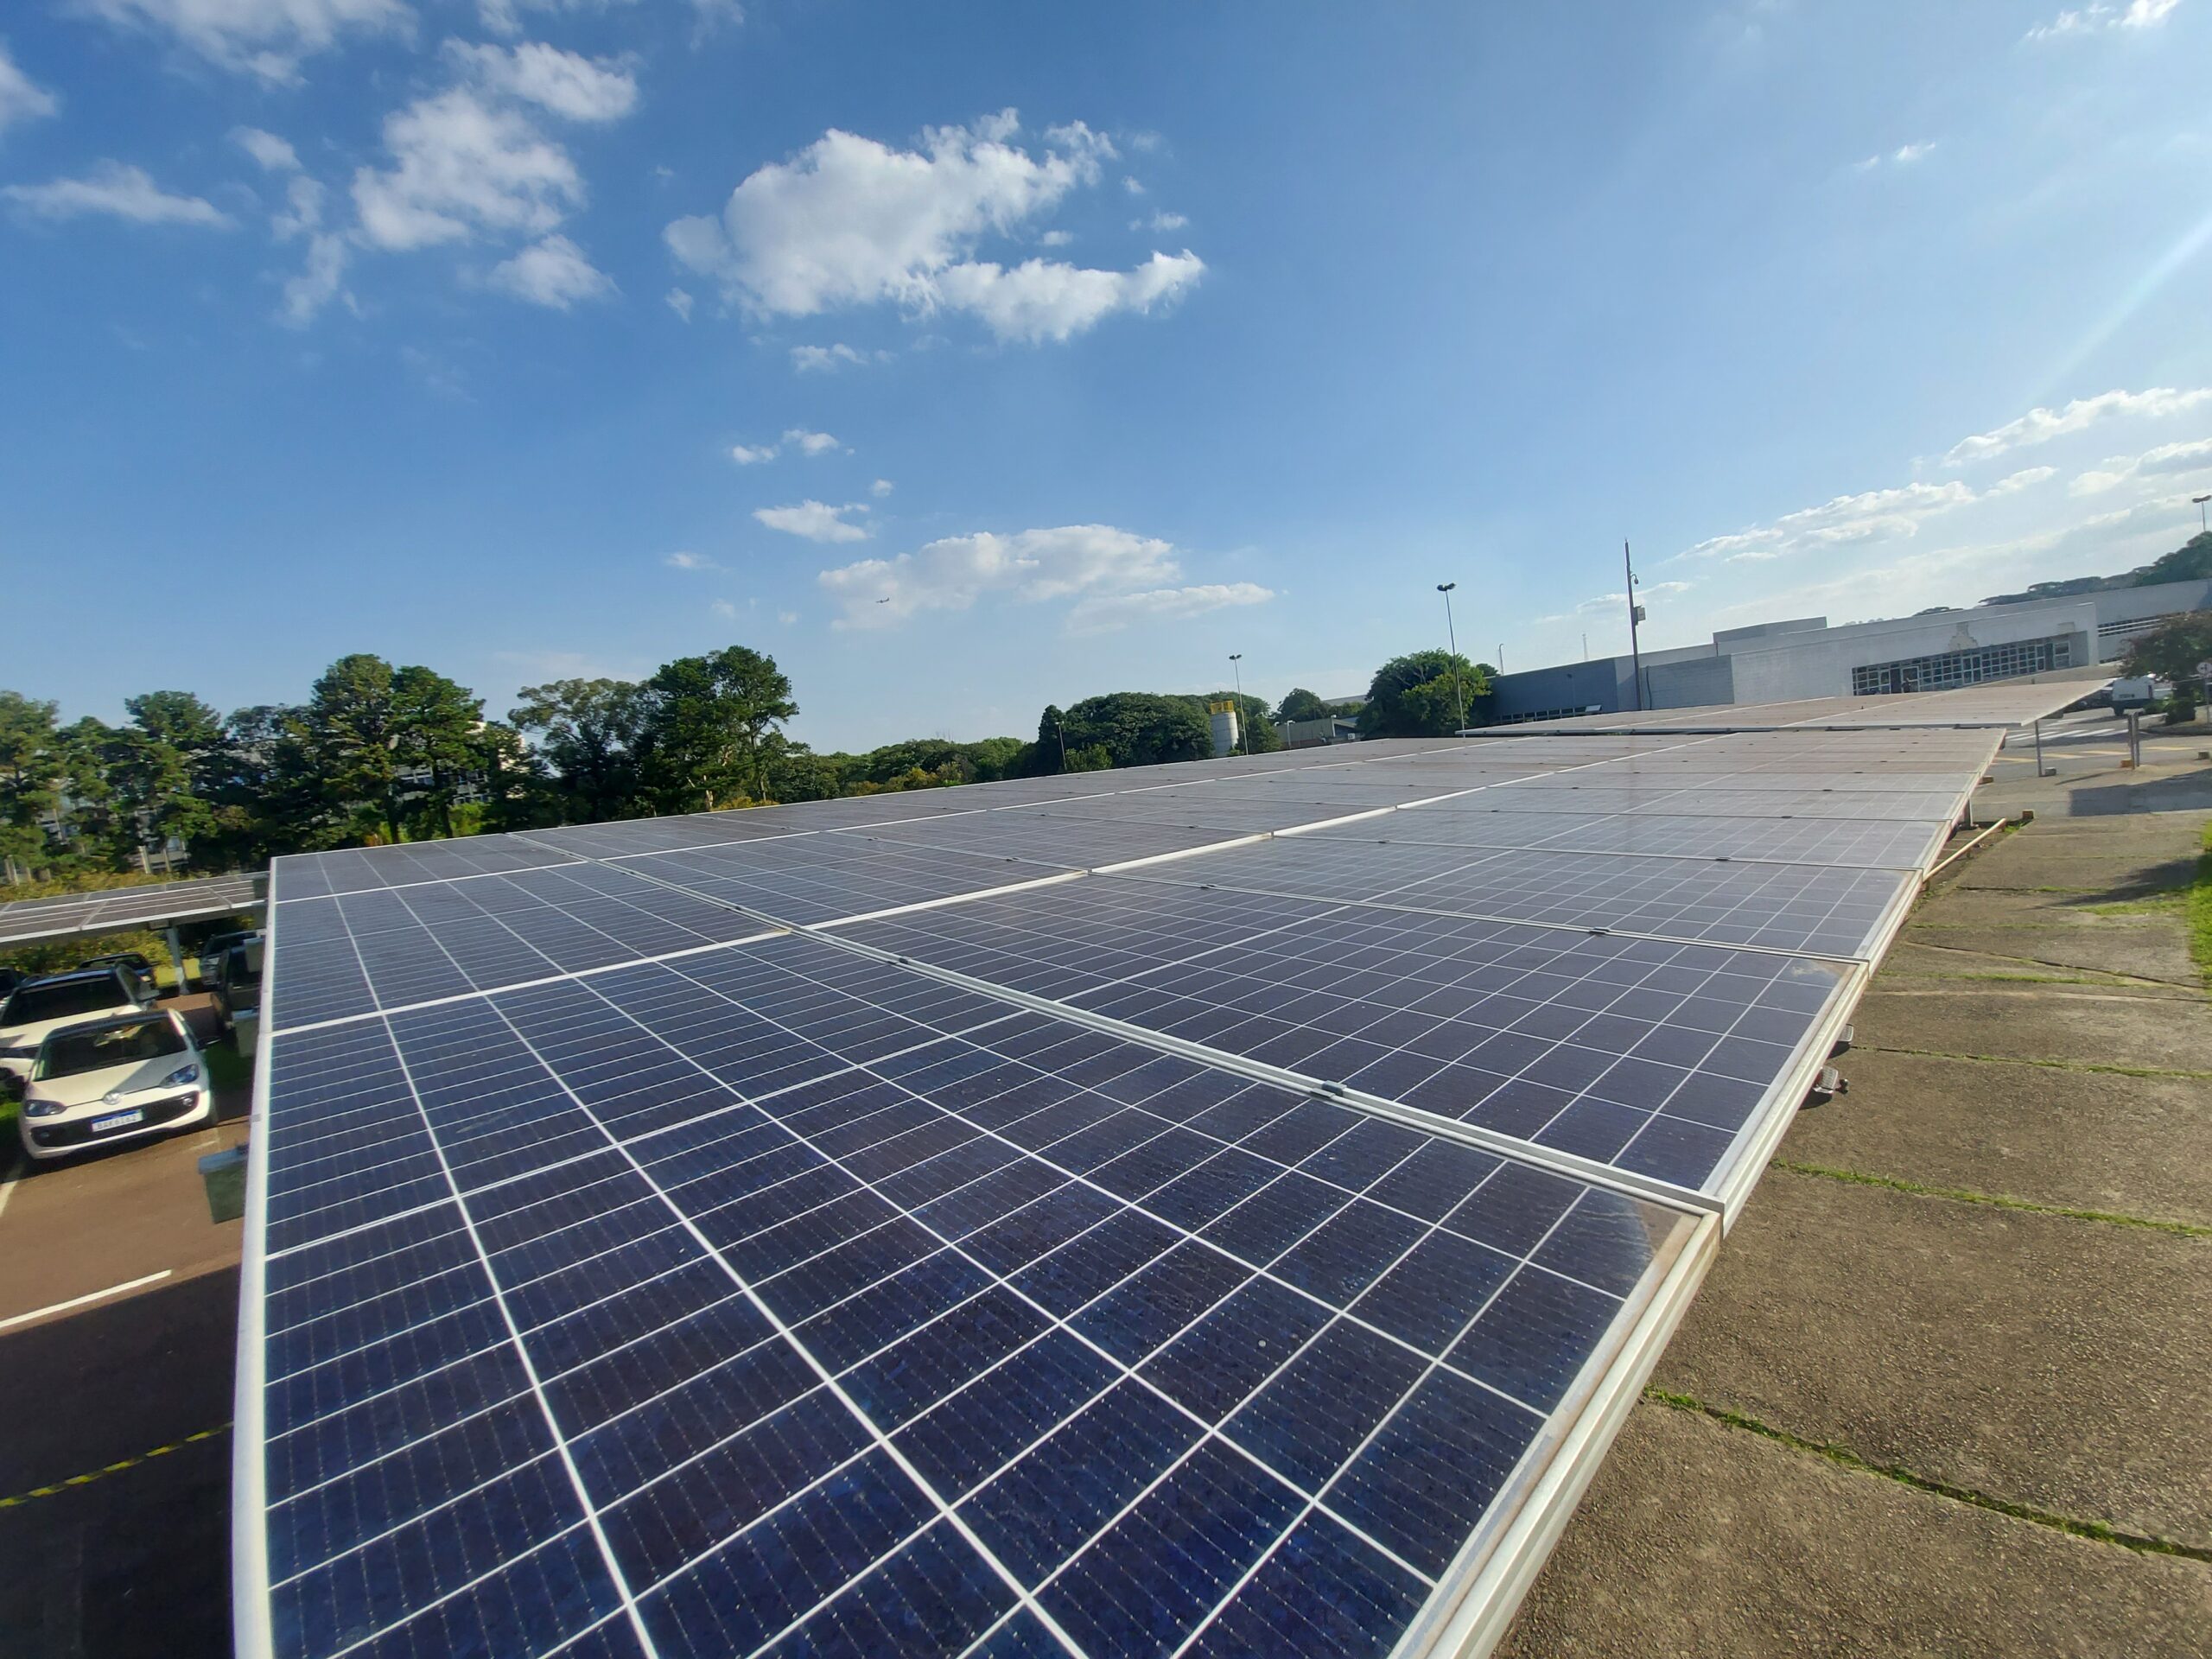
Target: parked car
[(40, 1005), (9, 978), (236, 994), (114, 1079), (211, 954), (132, 963)]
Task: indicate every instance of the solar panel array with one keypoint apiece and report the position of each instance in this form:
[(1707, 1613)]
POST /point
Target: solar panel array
[(1211, 1209), (113, 909)]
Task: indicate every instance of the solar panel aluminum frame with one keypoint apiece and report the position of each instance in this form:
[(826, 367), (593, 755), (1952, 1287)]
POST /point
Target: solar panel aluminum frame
[(109, 910), (252, 1633), (1478, 1596)]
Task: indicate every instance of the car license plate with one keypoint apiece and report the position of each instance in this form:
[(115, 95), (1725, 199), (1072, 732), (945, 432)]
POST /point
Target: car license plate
[(117, 1120)]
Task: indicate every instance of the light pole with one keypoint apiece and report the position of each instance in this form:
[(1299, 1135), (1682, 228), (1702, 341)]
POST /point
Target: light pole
[(1459, 690), (1234, 658), (2199, 501), (1635, 616)]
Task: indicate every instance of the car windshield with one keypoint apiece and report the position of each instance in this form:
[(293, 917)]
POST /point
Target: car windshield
[(69, 1053), (34, 1003)]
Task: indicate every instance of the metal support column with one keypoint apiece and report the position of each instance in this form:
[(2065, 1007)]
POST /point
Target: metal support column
[(177, 957)]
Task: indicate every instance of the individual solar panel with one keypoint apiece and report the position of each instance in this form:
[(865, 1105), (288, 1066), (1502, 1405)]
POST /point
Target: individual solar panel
[(583, 1329), (827, 878), (1658, 1057), (1822, 911), (388, 948)]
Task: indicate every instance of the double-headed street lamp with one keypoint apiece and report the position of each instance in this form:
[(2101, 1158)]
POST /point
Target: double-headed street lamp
[(1234, 658), (1458, 688), (2198, 501)]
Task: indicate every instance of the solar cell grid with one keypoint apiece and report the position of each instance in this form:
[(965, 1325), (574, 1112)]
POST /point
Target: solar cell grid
[(1827, 912), (897, 1306)]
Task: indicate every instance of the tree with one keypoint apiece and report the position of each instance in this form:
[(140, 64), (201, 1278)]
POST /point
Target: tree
[(1422, 694), (2190, 561), (435, 727), (178, 719), (1135, 728), (587, 732), (351, 726), (1301, 705), (2173, 651), (708, 730), (1051, 754), (28, 734)]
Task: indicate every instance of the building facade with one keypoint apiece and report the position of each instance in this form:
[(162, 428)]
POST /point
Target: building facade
[(1804, 656)]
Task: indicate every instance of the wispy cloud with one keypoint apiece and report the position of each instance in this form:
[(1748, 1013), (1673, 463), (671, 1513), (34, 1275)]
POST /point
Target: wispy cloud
[(115, 191), (689, 561), (1103, 613), (1870, 515), (2097, 18), (817, 521), (797, 437), (20, 98), (2042, 425)]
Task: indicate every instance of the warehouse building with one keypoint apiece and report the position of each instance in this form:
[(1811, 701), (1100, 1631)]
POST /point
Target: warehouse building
[(1937, 650)]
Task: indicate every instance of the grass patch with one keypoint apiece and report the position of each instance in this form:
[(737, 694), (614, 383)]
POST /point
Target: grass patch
[(1844, 1458), (1994, 1201), (226, 1067), (2200, 911)]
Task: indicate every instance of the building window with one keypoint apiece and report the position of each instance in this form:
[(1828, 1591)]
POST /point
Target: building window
[(1957, 668)]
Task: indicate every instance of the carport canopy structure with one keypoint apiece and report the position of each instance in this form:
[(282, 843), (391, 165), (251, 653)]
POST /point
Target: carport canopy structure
[(166, 906)]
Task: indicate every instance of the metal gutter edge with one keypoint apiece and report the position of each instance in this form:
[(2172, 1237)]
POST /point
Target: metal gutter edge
[(251, 1636)]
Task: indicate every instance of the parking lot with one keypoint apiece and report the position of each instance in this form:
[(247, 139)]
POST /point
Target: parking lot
[(118, 1306)]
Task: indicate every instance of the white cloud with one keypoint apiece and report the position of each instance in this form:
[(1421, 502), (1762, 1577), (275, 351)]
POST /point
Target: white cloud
[(724, 609), (787, 617), (1056, 239), (569, 85), (881, 487), (1072, 561), (276, 155), (1101, 613), (2042, 425), (1870, 516), (552, 271), (119, 191), (1040, 300), (689, 561), (266, 38), (302, 211), (853, 222), (2166, 459), (2095, 18), (815, 521), (1902, 155), (797, 437), (20, 98), (505, 17), (318, 282), (1161, 222), (461, 166), (1134, 187), (818, 360), (2027, 478), (680, 302)]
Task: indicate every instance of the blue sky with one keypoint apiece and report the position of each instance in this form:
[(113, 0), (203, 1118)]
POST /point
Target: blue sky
[(970, 356)]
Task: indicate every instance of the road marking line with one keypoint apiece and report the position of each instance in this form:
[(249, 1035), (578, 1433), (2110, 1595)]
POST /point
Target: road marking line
[(80, 1301), (115, 1468), (15, 1172)]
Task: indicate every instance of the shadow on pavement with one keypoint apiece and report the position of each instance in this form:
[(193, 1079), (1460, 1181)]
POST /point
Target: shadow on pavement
[(2190, 791), (136, 1562)]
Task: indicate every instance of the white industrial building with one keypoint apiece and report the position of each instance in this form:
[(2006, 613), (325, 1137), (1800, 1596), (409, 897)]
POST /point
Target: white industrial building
[(1805, 657)]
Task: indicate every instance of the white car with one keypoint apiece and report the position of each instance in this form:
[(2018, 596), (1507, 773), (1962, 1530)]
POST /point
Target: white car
[(40, 1005), (114, 1079)]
